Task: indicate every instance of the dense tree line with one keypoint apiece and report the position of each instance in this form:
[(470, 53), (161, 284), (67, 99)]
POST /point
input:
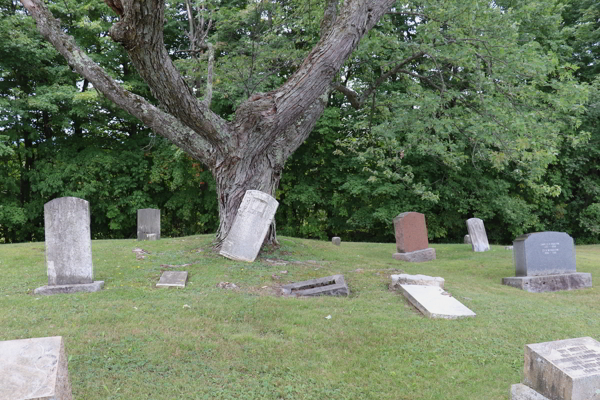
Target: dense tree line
[(454, 109)]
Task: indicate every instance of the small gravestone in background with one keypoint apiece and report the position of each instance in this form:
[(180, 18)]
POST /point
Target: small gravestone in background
[(561, 370), (250, 227), (411, 238), (334, 285), (34, 369), (148, 224), (477, 235), (545, 262), (68, 247), (467, 239), (336, 240), (173, 279)]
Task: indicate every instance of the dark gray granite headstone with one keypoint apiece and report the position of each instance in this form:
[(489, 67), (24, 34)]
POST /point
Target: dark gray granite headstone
[(544, 253), (148, 224)]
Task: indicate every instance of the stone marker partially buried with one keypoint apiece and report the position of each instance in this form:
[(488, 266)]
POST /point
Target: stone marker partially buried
[(545, 262), (561, 370), (411, 238), (173, 279), (34, 369), (68, 247), (333, 285), (250, 227)]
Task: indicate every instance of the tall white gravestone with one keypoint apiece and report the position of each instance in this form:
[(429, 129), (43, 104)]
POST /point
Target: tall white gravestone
[(34, 369), (477, 235), (68, 247), (148, 224), (250, 226)]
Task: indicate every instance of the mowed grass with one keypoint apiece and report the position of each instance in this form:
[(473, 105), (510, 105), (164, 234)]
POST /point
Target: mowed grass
[(133, 341)]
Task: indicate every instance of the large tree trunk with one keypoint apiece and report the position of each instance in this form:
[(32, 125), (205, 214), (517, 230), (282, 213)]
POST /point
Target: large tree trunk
[(249, 152)]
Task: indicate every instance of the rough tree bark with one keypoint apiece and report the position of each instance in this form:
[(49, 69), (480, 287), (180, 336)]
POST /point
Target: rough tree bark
[(249, 152)]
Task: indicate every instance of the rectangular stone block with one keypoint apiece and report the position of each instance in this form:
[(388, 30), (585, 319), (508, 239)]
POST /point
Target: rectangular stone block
[(34, 369), (522, 392), (148, 224), (333, 285), (434, 302), (564, 369), (405, 279), (411, 232), (550, 283), (68, 241), (173, 279), (477, 235), (544, 253), (250, 227), (416, 256)]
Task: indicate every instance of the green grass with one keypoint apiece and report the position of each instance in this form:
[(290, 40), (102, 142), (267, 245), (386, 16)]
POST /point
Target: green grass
[(133, 341)]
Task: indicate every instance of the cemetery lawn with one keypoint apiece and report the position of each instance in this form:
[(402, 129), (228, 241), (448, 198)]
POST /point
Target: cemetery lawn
[(134, 341)]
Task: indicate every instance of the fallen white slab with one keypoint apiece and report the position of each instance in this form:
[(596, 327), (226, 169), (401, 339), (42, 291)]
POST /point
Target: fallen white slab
[(434, 302)]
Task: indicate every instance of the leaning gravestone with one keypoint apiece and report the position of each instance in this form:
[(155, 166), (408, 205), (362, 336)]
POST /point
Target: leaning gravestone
[(148, 224), (68, 247), (561, 370), (545, 262), (477, 235), (411, 238), (250, 227), (34, 369)]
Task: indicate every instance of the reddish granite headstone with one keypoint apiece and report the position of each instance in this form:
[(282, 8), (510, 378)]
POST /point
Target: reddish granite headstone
[(411, 232)]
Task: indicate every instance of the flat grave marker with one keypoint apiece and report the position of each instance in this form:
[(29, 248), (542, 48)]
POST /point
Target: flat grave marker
[(333, 285), (173, 279), (34, 369), (434, 302)]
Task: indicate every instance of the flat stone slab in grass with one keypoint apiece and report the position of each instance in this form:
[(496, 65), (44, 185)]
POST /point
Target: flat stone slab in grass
[(34, 369), (334, 285), (434, 302), (522, 392), (405, 279), (173, 279), (416, 256), (550, 283), (564, 369), (62, 289)]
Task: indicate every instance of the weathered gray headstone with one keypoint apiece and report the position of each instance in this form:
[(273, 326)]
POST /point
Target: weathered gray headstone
[(562, 370), (544, 262), (434, 302), (68, 247), (334, 285), (148, 224), (411, 238), (477, 235), (34, 369), (250, 227), (173, 279), (467, 239), (406, 279), (336, 240)]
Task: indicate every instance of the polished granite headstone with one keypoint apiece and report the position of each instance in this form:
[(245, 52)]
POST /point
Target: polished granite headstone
[(411, 238)]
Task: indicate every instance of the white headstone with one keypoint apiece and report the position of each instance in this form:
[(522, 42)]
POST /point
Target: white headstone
[(250, 226), (148, 224), (479, 240), (34, 369)]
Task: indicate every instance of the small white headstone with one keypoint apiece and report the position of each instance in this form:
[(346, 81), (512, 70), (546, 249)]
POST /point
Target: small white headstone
[(148, 224), (477, 234), (250, 226), (34, 369), (434, 302)]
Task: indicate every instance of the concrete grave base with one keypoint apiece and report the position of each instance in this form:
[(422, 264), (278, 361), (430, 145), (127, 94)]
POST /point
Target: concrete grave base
[(427, 254), (334, 285), (173, 279), (405, 279), (60, 289), (550, 283), (434, 302), (522, 392), (34, 369)]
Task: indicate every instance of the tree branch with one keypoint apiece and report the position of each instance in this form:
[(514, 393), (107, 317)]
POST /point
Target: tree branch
[(160, 122), (209, 75)]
